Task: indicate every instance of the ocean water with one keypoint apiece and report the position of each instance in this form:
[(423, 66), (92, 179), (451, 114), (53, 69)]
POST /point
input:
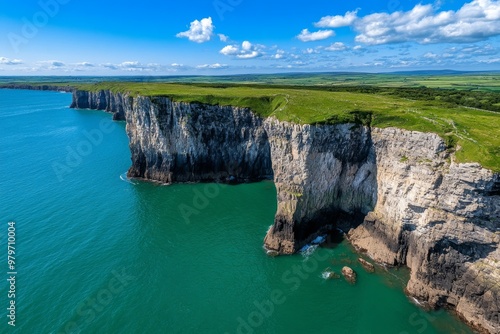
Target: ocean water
[(97, 253)]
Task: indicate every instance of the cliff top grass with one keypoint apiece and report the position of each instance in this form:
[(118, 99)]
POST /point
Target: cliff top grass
[(473, 132)]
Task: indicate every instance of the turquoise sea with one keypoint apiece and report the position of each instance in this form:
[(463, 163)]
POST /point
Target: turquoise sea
[(97, 253)]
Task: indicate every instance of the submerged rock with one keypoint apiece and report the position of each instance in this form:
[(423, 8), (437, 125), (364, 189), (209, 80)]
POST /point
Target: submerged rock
[(328, 273), (367, 265), (349, 274), (272, 253)]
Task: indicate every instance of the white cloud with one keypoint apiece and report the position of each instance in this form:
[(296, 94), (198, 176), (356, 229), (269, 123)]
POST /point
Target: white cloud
[(490, 61), (246, 46), (247, 50), (357, 47), (474, 21), (306, 36), (279, 54), (248, 55), (85, 64), (132, 66), (52, 63), (110, 66), (8, 61), (215, 66), (337, 20), (223, 38), (199, 31), (337, 46), (430, 55), (229, 50)]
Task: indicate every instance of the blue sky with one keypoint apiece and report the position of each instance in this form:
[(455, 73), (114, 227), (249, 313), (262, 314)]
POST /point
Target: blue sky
[(150, 37)]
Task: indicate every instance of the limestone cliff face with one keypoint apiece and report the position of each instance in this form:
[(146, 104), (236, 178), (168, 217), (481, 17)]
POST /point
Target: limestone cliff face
[(399, 193), (321, 173), (182, 142), (441, 219), (115, 103), (66, 89)]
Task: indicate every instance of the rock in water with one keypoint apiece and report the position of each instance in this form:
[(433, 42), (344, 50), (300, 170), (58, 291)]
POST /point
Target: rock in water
[(272, 253), (367, 265), (349, 274), (329, 274)]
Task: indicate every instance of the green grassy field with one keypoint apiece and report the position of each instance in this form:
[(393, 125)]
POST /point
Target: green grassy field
[(470, 81), (473, 133)]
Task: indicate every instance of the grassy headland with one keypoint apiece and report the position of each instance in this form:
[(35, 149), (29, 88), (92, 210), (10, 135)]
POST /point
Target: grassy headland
[(467, 120)]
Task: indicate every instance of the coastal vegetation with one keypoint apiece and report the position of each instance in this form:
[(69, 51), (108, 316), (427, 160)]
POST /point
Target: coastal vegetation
[(472, 132), (468, 120)]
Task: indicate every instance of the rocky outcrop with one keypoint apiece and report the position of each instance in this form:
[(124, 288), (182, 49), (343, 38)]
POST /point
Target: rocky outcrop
[(441, 219), (183, 142), (116, 103), (61, 88), (366, 265), (349, 274), (321, 173), (399, 193)]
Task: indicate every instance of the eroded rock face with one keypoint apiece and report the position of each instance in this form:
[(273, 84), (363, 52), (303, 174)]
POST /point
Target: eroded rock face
[(405, 200), (183, 142), (115, 103), (320, 173), (349, 274), (439, 218)]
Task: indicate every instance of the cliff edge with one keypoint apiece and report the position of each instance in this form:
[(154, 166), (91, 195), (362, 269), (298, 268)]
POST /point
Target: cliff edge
[(400, 194)]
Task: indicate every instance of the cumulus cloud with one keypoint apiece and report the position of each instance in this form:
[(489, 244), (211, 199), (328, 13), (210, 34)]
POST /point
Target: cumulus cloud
[(8, 61), (215, 66), (279, 54), (52, 64), (85, 64), (132, 66), (310, 51), (307, 36), (230, 50), (337, 21), (430, 55), (199, 31), (474, 21), (223, 38), (247, 50), (337, 46)]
